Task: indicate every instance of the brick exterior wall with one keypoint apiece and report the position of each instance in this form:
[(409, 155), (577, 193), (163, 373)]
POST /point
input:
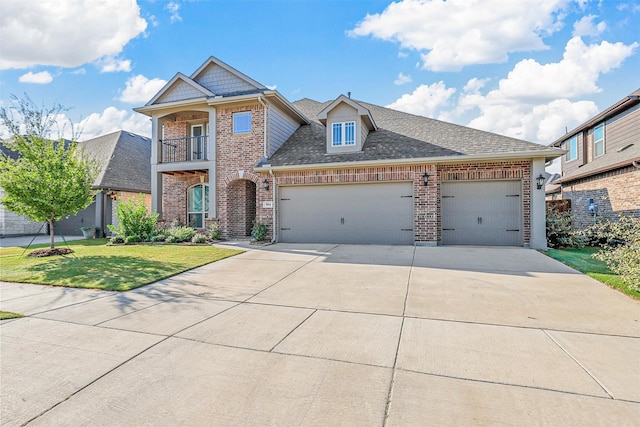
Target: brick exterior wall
[(241, 196), (239, 190), (616, 193), (427, 220)]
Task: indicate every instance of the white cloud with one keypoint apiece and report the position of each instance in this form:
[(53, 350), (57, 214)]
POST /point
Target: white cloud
[(586, 27), (112, 64), (154, 20), (174, 10), (455, 33), (271, 87), (402, 79), (576, 74), (111, 120), (140, 89), (402, 54), (425, 100), (42, 77), (79, 71), (65, 33), (541, 123), (535, 102)]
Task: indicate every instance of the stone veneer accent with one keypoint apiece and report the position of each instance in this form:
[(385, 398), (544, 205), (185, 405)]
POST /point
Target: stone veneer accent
[(615, 192)]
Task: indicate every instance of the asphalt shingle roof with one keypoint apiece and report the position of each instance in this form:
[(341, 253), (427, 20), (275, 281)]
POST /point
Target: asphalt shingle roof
[(399, 136), (124, 159)]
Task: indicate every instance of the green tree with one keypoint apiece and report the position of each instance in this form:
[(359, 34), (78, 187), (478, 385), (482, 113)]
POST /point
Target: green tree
[(50, 179)]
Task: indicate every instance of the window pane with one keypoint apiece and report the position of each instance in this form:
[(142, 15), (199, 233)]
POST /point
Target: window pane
[(242, 122), (600, 148), (349, 133), (598, 133), (572, 148), (194, 199), (195, 220), (337, 134)]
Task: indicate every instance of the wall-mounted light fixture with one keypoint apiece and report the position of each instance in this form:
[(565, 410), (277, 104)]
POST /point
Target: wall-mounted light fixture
[(265, 184), (425, 178), (540, 181)]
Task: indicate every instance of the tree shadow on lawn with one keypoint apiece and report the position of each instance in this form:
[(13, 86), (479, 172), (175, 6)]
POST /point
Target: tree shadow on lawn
[(114, 273)]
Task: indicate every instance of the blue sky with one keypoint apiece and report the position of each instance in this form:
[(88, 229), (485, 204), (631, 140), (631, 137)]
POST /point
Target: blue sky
[(527, 69)]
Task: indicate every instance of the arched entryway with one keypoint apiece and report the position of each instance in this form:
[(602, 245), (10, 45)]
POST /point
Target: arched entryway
[(241, 207)]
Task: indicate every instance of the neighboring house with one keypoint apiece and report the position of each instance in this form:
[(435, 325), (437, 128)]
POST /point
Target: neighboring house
[(12, 224), (228, 150), (124, 172), (552, 190), (602, 164)]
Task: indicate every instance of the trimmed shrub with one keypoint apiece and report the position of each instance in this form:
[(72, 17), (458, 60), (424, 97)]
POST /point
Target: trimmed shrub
[(199, 238), (181, 234), (560, 233), (134, 219), (132, 239), (621, 251), (259, 231), (116, 240), (213, 231), (158, 238)]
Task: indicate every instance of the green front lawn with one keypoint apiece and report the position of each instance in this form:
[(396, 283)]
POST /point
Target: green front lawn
[(9, 315), (97, 266), (581, 260)]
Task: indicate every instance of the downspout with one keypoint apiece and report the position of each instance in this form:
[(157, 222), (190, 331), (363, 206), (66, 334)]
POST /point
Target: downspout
[(274, 238), (273, 193), (265, 119), (636, 164)]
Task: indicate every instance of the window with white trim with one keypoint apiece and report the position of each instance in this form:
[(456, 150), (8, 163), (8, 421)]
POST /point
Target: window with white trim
[(598, 140), (343, 133), (197, 205), (572, 148), (242, 122)]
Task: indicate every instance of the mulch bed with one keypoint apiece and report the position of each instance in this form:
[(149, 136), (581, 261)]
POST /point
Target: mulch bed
[(41, 253)]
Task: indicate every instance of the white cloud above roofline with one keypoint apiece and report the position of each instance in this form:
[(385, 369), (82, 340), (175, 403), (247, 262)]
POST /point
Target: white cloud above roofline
[(66, 33)]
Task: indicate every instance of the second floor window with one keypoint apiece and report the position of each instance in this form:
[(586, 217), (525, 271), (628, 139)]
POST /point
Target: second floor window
[(598, 140), (572, 148), (242, 122), (343, 134)]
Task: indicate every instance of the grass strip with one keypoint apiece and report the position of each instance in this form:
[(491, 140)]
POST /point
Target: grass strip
[(94, 265), (581, 260)]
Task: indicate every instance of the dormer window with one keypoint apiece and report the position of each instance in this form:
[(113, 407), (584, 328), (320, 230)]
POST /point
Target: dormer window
[(344, 133)]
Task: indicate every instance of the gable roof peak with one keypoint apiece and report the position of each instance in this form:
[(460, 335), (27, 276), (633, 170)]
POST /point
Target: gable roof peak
[(213, 60), (361, 109), (180, 77)]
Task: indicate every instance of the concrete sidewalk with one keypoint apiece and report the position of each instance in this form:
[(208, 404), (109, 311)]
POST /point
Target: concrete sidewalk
[(329, 335)]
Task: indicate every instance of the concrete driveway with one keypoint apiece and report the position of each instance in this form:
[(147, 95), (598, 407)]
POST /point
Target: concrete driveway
[(329, 335)]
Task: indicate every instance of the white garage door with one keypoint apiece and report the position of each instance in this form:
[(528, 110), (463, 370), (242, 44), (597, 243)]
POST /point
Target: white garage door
[(347, 213), (482, 213)]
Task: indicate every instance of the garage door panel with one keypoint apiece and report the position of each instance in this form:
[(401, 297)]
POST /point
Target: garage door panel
[(347, 213), (482, 213)]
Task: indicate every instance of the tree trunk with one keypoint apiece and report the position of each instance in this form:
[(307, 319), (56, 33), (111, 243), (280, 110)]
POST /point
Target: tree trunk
[(52, 244)]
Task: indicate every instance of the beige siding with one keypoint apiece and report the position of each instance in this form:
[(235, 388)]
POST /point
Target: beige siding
[(179, 91), (281, 127), (343, 113), (222, 82), (569, 167), (622, 129)]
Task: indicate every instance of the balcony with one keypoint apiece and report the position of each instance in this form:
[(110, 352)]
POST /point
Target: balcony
[(192, 148)]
